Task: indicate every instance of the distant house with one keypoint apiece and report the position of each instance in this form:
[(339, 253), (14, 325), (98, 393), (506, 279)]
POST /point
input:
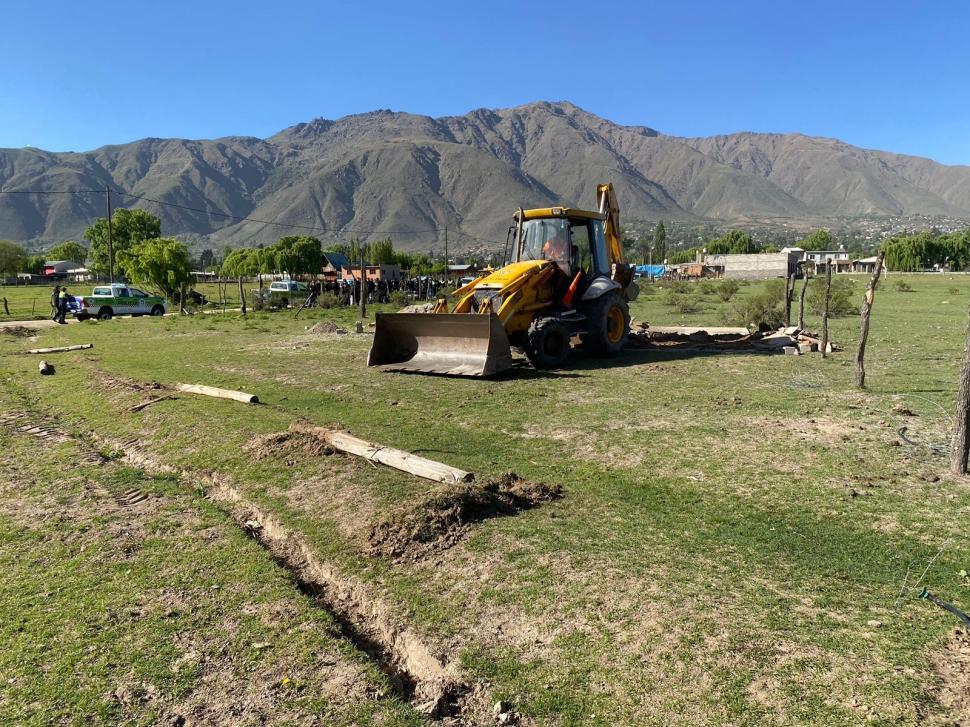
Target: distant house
[(334, 262), (815, 260), (755, 266), (388, 272), (58, 267), (865, 265)]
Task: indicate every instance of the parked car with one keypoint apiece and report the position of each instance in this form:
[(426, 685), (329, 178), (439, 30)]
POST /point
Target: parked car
[(118, 299), (281, 291)]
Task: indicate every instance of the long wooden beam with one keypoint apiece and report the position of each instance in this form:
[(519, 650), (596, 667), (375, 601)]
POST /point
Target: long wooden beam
[(396, 458)]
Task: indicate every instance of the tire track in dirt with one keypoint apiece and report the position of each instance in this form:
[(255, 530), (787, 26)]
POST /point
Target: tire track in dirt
[(423, 674)]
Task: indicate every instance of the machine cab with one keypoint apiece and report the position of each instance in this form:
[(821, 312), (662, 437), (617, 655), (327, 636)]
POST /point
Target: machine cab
[(573, 239)]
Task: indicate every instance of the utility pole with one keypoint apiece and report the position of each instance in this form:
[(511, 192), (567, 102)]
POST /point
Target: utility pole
[(363, 286), (447, 269), (111, 250)]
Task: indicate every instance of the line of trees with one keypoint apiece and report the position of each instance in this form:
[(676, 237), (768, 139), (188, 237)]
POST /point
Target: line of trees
[(928, 249)]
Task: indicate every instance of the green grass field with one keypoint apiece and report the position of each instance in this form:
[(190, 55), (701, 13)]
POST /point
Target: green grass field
[(730, 545)]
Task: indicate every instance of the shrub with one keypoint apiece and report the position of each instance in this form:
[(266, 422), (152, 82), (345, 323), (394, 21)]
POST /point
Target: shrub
[(399, 299), (953, 291), (903, 287), (840, 298), (761, 310), (707, 287), (683, 303), (726, 289), (328, 300)]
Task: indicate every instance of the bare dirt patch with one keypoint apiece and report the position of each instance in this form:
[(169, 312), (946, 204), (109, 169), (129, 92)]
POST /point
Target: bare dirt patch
[(286, 445), (444, 517), (952, 664), (823, 430)]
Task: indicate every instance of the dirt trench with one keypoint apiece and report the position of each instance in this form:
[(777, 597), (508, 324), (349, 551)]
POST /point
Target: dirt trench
[(424, 676)]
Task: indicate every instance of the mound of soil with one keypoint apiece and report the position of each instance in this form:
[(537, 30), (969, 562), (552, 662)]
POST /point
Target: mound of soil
[(953, 668), (445, 516), (18, 331), (418, 308), (286, 444), (325, 327)]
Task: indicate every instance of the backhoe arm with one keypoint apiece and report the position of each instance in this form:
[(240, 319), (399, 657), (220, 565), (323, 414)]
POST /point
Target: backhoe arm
[(607, 205)]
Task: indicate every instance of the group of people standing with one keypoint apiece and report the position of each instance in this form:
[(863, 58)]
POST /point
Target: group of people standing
[(59, 304)]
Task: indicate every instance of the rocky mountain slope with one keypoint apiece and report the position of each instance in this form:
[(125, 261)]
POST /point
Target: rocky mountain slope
[(411, 176)]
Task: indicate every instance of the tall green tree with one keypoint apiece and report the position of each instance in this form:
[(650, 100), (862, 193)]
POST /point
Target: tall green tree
[(296, 255), (207, 259), (128, 227), (243, 262), (159, 263), (659, 243), (382, 252), (817, 240), (68, 250), (13, 259)]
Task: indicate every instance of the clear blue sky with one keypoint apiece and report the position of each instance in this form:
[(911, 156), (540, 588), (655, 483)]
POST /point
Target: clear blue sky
[(887, 75)]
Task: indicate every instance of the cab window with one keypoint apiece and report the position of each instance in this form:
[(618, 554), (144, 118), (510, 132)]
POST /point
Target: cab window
[(102, 291), (546, 239)]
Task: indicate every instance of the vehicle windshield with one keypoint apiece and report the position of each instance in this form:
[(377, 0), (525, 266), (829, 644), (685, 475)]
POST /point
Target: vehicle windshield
[(573, 243), (546, 239)]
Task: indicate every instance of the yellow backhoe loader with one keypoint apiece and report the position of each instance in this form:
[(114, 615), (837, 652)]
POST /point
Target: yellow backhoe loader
[(567, 278)]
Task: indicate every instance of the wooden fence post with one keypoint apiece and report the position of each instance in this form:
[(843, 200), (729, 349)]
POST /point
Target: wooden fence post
[(801, 298), (242, 297), (789, 290), (6, 309), (960, 447), (860, 367), (825, 308)]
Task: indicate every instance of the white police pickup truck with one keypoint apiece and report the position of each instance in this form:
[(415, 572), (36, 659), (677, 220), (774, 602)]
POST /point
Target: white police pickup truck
[(118, 299)]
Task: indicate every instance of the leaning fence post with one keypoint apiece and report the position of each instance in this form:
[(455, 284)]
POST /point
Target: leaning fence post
[(6, 309), (825, 307), (860, 367), (242, 297)]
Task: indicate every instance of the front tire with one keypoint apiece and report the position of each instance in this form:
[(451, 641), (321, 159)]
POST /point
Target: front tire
[(547, 343), (608, 324), (158, 311), (105, 314)]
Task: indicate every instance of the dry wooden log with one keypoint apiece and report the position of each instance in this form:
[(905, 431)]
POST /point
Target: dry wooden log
[(218, 393), (396, 458), (46, 369), (59, 349)]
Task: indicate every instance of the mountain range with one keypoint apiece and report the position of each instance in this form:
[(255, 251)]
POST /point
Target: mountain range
[(410, 176)]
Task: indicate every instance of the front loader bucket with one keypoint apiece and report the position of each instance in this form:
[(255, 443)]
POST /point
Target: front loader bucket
[(461, 344)]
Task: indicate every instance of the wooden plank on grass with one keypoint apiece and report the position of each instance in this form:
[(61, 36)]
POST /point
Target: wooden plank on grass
[(396, 458), (218, 393), (59, 349)]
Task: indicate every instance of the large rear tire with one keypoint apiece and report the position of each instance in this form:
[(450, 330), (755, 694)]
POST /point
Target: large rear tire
[(548, 343), (608, 325), (105, 313)]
